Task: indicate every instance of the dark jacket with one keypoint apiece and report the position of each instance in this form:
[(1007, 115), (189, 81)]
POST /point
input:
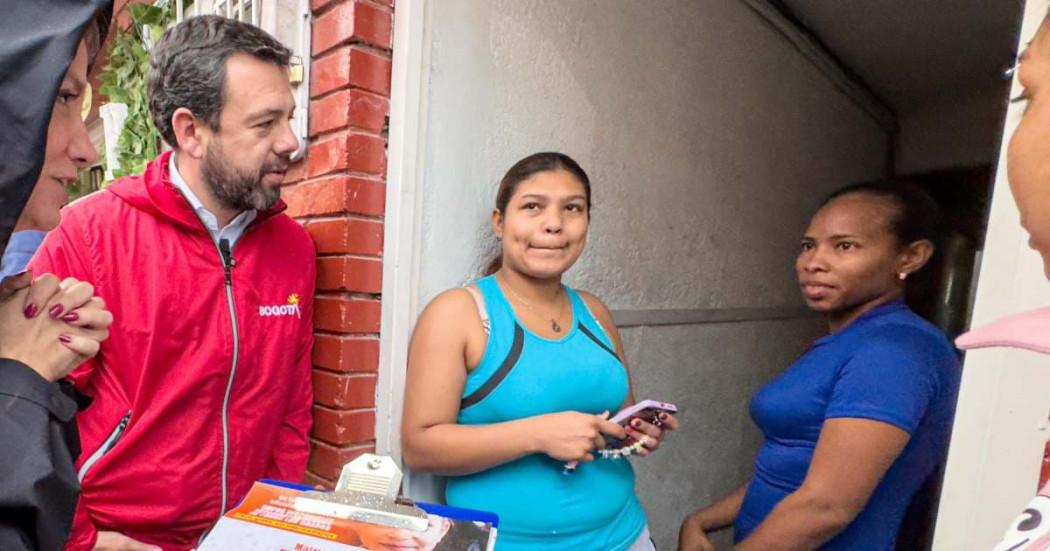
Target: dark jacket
[(38, 445)]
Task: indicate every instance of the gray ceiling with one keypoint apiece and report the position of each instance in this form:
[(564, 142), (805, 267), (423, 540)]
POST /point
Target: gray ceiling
[(913, 52)]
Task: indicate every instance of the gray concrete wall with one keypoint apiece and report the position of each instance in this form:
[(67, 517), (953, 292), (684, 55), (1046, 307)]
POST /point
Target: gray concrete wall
[(708, 138), (710, 371), (958, 131)]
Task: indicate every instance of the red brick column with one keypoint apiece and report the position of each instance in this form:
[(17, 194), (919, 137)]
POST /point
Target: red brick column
[(338, 194)]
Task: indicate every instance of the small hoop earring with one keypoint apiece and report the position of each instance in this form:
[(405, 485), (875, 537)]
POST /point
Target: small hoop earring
[(902, 276)]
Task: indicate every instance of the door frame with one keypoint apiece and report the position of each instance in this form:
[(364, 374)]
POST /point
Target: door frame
[(401, 223)]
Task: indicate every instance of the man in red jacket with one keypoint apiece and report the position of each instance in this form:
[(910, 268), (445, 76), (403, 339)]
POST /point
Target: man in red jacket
[(204, 384)]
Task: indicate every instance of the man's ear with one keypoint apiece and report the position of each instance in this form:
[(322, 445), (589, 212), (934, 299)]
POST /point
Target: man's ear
[(189, 133)]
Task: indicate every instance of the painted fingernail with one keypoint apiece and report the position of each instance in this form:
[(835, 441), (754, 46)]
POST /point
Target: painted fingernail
[(55, 311), (65, 338), (30, 311), (71, 317)]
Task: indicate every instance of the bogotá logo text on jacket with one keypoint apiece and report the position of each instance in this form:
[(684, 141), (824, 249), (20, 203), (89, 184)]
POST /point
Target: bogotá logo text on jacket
[(290, 308)]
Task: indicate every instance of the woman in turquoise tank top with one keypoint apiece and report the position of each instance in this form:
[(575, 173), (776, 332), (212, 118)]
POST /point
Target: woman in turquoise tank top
[(511, 378)]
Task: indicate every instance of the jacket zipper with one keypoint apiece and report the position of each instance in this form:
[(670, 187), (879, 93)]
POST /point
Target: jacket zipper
[(226, 258), (227, 265), (107, 445)]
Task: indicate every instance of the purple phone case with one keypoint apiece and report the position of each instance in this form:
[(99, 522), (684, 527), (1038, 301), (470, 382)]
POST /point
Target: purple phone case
[(646, 410)]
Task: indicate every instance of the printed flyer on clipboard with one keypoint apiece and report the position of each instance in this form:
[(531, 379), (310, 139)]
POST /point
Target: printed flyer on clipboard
[(267, 520)]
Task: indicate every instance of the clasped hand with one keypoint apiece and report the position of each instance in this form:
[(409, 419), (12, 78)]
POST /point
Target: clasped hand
[(49, 325)]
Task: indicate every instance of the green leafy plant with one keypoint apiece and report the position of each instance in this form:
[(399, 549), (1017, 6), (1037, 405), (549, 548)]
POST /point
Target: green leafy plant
[(123, 80)]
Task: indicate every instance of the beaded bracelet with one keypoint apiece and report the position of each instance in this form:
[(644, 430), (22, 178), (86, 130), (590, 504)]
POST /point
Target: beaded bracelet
[(625, 451), (615, 453)]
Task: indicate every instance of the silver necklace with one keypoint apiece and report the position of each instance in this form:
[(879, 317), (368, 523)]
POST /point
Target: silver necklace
[(555, 326)]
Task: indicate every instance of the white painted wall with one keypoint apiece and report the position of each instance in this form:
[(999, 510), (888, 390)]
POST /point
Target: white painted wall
[(709, 139), (1001, 419), (959, 130)]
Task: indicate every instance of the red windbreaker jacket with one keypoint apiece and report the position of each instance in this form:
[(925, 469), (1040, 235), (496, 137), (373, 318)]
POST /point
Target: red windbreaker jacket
[(204, 383)]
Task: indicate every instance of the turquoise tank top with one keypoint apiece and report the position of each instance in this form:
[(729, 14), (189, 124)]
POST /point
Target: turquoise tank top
[(523, 375)]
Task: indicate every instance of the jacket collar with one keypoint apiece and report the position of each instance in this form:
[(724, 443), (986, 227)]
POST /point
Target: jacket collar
[(1028, 330), (154, 191)]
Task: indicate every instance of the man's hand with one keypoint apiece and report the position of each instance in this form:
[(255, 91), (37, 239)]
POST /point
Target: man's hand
[(115, 541), (12, 284)]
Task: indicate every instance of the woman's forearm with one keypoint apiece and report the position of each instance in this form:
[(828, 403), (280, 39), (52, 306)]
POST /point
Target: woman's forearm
[(451, 449), (800, 521), (722, 513)]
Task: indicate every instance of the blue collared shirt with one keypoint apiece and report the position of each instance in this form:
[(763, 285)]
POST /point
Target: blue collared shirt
[(232, 232), (20, 248)]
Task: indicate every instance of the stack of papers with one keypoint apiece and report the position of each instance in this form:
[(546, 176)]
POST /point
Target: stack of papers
[(267, 520)]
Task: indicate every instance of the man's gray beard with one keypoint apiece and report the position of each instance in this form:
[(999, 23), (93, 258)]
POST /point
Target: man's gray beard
[(234, 189)]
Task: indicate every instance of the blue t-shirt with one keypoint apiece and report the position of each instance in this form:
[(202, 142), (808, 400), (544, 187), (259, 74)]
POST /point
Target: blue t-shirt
[(889, 365)]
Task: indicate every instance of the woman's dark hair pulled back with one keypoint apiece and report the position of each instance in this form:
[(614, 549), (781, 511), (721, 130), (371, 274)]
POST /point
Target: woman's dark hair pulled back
[(916, 215), (546, 161)]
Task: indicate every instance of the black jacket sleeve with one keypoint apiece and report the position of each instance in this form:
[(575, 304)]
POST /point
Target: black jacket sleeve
[(38, 445)]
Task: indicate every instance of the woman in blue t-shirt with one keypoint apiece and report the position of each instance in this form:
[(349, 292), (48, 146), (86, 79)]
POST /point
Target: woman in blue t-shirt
[(856, 425), (513, 377)]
